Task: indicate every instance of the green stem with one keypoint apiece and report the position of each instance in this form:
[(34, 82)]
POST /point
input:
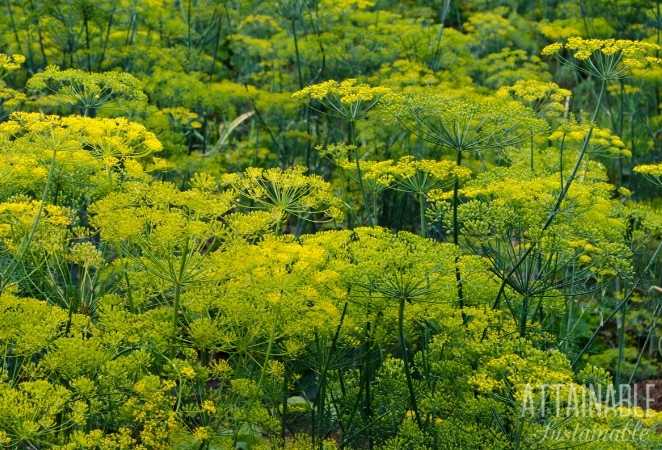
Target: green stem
[(456, 239), (621, 342), (178, 289), (421, 209), (405, 357), (531, 152), (359, 173), (267, 355), (12, 21), (524, 315), (297, 54), (559, 200), (456, 201), (618, 307)]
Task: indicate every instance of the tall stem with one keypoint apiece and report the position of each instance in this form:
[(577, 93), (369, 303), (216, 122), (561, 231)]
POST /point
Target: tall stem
[(106, 39), (359, 173), (40, 33), (189, 30), (618, 307), (297, 54), (559, 200), (12, 21), (531, 152), (88, 50), (421, 209), (456, 200), (456, 238), (524, 315), (217, 43), (405, 356)]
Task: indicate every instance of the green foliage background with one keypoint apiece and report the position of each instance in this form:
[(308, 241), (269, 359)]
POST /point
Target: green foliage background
[(317, 224)]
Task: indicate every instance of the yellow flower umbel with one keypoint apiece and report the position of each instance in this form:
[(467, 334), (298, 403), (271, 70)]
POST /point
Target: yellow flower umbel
[(420, 177), (87, 90), (652, 172), (464, 123), (18, 222), (88, 155), (607, 59), (10, 63), (347, 99), (547, 99), (603, 141)]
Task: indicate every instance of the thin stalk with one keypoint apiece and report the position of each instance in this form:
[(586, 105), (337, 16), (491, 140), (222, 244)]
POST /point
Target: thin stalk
[(561, 149), (405, 356), (367, 378), (359, 173), (267, 355), (189, 38), (217, 44), (456, 238), (283, 418), (319, 401), (12, 21), (40, 33), (651, 329), (88, 50), (531, 152), (442, 21), (297, 54), (621, 343), (456, 201), (559, 200), (178, 289), (618, 307), (106, 38), (27, 241), (524, 315), (421, 209)]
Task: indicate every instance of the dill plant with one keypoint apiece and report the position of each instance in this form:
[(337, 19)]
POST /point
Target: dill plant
[(174, 267)]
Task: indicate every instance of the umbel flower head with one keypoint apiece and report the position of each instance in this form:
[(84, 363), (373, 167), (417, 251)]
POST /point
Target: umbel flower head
[(652, 172), (347, 99), (421, 176), (88, 91), (408, 174), (465, 123), (606, 59), (604, 142), (10, 63), (546, 98), (285, 193), (117, 139)]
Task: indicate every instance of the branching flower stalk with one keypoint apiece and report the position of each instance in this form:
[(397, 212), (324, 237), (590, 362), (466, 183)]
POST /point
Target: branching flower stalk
[(8, 272), (349, 101), (404, 289), (555, 209), (463, 125)]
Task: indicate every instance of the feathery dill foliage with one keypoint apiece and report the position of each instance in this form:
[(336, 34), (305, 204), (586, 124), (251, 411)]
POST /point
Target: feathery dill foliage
[(322, 224)]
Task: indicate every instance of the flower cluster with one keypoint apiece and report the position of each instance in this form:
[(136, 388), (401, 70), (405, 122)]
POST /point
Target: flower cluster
[(285, 193), (653, 172), (89, 91), (546, 98), (328, 224), (603, 141), (10, 63), (348, 99), (608, 59)]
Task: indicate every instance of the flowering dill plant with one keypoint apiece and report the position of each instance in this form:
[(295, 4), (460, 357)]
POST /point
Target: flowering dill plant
[(87, 91), (326, 224), (606, 59)]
